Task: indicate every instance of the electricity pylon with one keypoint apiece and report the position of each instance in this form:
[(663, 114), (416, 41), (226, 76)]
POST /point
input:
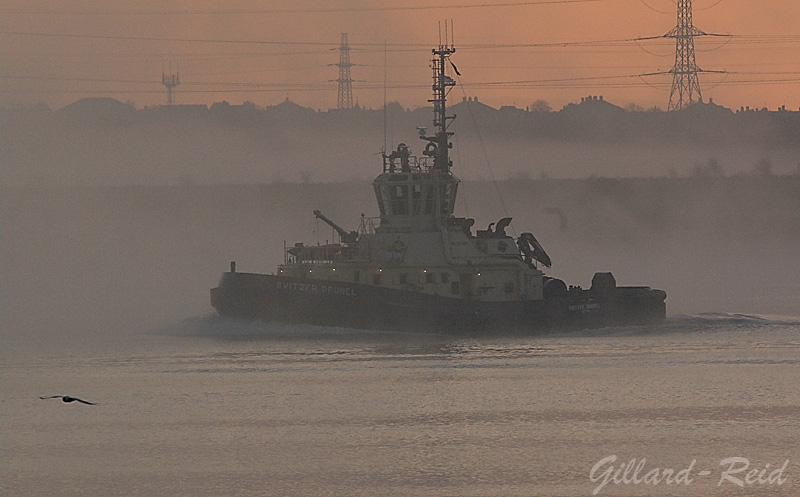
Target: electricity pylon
[(344, 100), (685, 83)]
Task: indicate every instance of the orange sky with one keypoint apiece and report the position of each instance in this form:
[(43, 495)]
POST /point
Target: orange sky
[(264, 52)]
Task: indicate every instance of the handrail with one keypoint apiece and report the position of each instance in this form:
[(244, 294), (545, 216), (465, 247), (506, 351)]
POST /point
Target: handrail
[(367, 226), (415, 164)]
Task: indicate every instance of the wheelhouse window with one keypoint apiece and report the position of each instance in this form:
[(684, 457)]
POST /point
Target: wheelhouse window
[(399, 199), (416, 198), (429, 200), (448, 197)]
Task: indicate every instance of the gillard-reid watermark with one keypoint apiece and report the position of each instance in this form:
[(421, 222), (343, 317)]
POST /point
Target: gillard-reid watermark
[(734, 471)]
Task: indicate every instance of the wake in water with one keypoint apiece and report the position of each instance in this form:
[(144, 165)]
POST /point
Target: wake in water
[(699, 323), (735, 318), (223, 328), (717, 321)]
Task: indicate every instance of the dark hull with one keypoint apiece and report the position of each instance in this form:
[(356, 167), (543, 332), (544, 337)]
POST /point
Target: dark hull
[(353, 305)]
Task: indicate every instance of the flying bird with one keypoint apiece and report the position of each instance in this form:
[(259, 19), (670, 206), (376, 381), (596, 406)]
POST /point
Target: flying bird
[(67, 398)]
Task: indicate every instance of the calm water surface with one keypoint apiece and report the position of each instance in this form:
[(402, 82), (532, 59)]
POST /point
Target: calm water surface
[(213, 407)]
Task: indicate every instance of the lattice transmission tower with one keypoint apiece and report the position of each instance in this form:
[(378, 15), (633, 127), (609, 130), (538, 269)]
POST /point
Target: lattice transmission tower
[(685, 84), (344, 99)]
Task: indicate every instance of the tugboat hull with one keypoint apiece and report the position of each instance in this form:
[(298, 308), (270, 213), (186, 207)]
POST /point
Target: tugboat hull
[(354, 305)]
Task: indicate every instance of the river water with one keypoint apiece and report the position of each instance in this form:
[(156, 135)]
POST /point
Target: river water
[(210, 407), (104, 296)]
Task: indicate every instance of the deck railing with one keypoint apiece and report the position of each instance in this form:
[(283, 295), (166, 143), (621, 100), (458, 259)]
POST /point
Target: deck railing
[(367, 226), (412, 164)]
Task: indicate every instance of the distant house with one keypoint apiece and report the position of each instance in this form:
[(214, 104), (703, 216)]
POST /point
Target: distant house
[(288, 109), (514, 114), (708, 110), (173, 113), (104, 108), (471, 105), (193, 110), (242, 114), (594, 105), (592, 119)]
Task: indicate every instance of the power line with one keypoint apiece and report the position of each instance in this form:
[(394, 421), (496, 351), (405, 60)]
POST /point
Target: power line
[(332, 88), (155, 38), (375, 46), (314, 43), (322, 10), (535, 83)]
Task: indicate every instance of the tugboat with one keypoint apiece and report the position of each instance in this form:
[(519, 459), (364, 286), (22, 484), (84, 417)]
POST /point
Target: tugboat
[(418, 267)]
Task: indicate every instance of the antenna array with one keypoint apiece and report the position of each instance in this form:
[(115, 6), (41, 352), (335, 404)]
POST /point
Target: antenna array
[(170, 82)]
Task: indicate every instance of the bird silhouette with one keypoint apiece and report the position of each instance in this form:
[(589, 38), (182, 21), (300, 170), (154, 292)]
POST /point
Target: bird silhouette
[(67, 398)]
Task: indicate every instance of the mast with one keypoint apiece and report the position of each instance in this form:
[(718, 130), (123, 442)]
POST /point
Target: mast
[(422, 202), (439, 144)]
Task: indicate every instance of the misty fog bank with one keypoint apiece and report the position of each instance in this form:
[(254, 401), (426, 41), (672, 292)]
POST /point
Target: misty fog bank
[(82, 265), (103, 142)]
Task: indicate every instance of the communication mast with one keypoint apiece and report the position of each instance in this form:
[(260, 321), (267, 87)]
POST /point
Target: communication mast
[(170, 82), (344, 100), (439, 143)]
